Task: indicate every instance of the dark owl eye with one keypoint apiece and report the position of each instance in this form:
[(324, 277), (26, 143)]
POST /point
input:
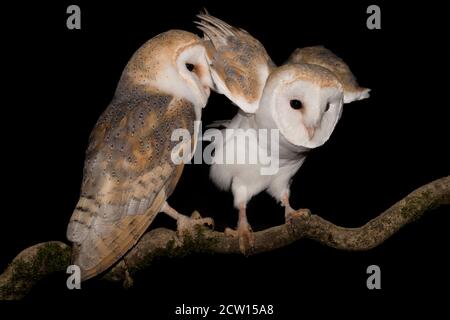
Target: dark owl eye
[(190, 67), (327, 107), (296, 104)]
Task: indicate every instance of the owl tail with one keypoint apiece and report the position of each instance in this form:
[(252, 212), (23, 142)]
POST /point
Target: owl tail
[(99, 243)]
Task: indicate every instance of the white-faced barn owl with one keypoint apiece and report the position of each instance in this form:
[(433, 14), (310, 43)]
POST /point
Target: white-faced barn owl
[(128, 173), (302, 99)]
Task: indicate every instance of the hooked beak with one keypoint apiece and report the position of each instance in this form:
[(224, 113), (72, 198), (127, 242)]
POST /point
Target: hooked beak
[(311, 131), (207, 90), (204, 86)]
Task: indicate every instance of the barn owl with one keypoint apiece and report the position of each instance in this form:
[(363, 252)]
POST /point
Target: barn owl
[(304, 103), (302, 99), (128, 173)]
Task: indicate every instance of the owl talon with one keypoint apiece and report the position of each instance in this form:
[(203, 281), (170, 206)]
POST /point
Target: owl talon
[(196, 215), (231, 233), (246, 238), (188, 225), (292, 215)]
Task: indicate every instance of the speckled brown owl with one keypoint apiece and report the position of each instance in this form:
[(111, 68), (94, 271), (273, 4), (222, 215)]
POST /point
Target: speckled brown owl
[(239, 63), (128, 172)]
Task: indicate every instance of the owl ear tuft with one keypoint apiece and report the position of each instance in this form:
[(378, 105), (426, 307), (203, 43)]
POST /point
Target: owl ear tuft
[(350, 96)]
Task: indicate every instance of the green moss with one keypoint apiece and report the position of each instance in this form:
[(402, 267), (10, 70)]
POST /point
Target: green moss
[(52, 257), (49, 258), (197, 243)]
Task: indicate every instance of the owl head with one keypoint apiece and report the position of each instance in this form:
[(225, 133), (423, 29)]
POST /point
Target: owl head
[(303, 101), (319, 55), (175, 63)]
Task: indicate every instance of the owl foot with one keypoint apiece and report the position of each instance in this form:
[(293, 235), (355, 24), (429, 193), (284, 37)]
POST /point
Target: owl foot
[(246, 238), (231, 233), (292, 215), (244, 232), (187, 225), (245, 235)]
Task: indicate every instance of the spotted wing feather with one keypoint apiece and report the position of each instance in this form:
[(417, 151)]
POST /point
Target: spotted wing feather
[(323, 57), (240, 64), (128, 175)]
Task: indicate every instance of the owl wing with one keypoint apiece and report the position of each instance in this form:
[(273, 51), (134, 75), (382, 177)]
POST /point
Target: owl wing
[(323, 57), (128, 175), (240, 64)]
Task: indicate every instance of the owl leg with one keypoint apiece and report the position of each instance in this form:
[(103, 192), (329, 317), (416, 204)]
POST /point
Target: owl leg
[(290, 214), (185, 225), (244, 232)]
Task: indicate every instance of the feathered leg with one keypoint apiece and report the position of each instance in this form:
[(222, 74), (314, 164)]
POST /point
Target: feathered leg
[(244, 232)]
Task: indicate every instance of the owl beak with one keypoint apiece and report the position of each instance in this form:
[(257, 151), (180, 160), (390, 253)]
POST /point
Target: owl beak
[(206, 93), (207, 90), (311, 131)]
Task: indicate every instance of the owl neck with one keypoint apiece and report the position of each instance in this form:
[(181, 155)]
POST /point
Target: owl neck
[(287, 150), (290, 151)]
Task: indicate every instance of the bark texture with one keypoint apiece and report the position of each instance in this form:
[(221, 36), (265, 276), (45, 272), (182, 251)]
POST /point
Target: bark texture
[(38, 261)]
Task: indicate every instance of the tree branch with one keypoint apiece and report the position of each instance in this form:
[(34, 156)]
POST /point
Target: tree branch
[(38, 261)]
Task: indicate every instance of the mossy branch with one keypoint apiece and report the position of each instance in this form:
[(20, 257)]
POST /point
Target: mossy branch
[(43, 259)]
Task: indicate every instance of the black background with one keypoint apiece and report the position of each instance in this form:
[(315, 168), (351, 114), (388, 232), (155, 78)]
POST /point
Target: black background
[(56, 82)]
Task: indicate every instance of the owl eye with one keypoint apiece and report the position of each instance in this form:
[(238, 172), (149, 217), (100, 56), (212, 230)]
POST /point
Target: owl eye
[(296, 104), (190, 67), (327, 107)]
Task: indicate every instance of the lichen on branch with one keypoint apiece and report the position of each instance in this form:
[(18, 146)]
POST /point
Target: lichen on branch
[(43, 259)]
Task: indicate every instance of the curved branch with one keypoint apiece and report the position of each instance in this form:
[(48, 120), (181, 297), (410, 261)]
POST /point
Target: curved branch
[(37, 262)]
